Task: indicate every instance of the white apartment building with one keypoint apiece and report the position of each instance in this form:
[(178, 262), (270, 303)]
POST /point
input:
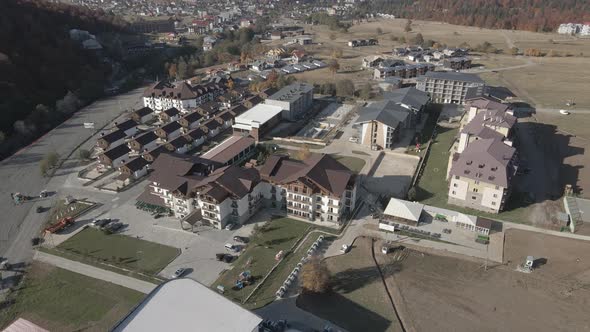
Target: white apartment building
[(181, 95), (448, 87)]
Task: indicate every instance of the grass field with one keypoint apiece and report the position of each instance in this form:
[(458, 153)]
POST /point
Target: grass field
[(358, 291), (352, 163), (93, 246), (432, 188), (259, 255), (60, 300)]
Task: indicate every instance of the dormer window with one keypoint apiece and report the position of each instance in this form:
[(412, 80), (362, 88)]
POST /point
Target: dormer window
[(469, 162), (481, 165), (494, 169)]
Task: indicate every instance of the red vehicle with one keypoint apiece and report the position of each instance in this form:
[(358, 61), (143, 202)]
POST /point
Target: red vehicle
[(63, 223)]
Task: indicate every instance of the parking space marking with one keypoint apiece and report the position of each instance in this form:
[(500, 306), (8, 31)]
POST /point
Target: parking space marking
[(115, 199)]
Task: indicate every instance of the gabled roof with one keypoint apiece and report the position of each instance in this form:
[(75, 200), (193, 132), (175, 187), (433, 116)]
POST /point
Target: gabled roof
[(408, 96), (113, 136), (404, 209), (193, 117), (117, 151), (146, 138), (484, 103), (319, 170), (492, 118), (173, 111), (171, 127), (485, 160), (231, 181), (178, 142), (228, 149), (386, 112), (196, 133), (144, 111), (136, 164), (128, 124)]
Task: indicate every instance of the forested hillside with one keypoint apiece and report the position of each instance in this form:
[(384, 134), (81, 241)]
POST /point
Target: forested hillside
[(532, 15), (40, 65)]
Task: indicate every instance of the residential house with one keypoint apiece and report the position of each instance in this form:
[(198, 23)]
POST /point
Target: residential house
[(169, 115), (140, 143), (110, 140), (180, 144), (191, 120), (129, 127), (457, 63), (169, 131), (252, 101), (297, 56), (151, 155), (212, 127), (371, 61), (114, 157), (196, 137), (135, 169), (143, 115), (412, 99)]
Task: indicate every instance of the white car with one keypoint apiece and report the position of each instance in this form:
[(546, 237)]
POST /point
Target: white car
[(353, 139), (345, 248), (564, 112), (229, 226), (178, 273)]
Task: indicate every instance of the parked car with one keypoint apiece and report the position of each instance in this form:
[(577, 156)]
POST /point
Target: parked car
[(224, 257), (564, 112), (230, 226), (353, 139), (385, 250), (231, 247), (100, 222), (447, 230), (241, 239), (114, 226), (345, 248), (178, 273), (40, 209)]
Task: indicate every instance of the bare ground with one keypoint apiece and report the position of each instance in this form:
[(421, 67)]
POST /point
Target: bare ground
[(448, 294)]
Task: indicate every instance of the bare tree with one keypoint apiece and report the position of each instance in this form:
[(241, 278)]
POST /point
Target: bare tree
[(315, 277), (334, 66)]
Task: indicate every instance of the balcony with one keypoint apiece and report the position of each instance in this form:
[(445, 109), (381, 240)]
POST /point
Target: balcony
[(302, 208), (301, 199), (234, 204), (211, 208)]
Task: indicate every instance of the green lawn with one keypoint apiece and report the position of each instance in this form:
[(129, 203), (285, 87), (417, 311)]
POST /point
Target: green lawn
[(432, 188), (353, 163), (279, 234), (60, 300), (266, 293), (93, 246)]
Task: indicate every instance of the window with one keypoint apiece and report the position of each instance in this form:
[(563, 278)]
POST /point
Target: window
[(497, 187), (457, 177), (476, 182), (473, 197), (455, 185), (495, 195), (453, 192), (494, 203), (475, 190)]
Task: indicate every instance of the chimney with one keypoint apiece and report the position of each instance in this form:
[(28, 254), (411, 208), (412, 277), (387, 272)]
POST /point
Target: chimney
[(101, 134)]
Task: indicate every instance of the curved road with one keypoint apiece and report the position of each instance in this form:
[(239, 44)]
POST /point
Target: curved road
[(20, 172)]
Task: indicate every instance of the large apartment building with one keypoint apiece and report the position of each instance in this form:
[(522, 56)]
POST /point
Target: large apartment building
[(316, 189), (448, 87), (181, 95), (481, 176), (294, 99)]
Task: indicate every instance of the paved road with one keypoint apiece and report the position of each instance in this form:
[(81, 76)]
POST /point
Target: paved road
[(20, 172), (94, 272)]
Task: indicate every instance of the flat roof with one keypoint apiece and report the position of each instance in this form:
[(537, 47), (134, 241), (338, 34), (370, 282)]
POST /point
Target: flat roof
[(187, 305), (229, 148), (404, 209), (292, 92), (257, 116), (454, 76)]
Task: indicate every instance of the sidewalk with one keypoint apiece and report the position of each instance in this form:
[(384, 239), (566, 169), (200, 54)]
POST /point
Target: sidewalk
[(94, 272)]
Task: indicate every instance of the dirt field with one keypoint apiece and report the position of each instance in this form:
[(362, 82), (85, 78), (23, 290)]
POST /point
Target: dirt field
[(448, 294), (359, 299), (392, 176)]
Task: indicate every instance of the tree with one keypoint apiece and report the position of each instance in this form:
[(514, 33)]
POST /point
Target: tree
[(84, 154), (333, 66), (514, 51), (408, 26), (553, 53), (533, 52), (51, 158), (328, 89), (303, 153), (68, 104), (315, 276), (332, 36), (418, 39), (2, 137), (344, 88), (172, 70), (365, 92), (379, 31)]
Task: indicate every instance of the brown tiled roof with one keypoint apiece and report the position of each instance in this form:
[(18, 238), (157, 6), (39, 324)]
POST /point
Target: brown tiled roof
[(486, 160), (491, 118), (180, 172), (488, 104), (320, 170), (229, 148), (231, 181), (484, 223)]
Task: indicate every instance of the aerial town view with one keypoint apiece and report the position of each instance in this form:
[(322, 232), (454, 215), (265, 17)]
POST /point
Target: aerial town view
[(282, 165)]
